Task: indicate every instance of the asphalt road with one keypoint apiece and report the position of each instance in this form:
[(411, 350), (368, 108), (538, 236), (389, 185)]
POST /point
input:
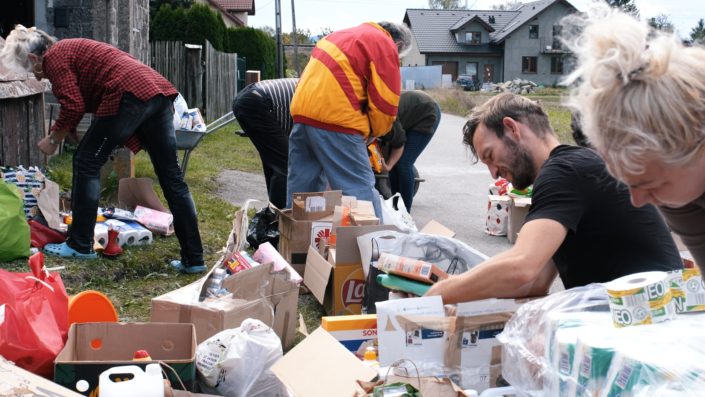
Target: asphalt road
[(454, 192), (455, 189)]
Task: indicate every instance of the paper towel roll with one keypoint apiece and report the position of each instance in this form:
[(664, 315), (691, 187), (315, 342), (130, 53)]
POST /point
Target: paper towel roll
[(641, 298), (562, 353)]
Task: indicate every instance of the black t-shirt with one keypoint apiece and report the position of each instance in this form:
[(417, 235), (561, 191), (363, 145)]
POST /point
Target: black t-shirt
[(607, 237)]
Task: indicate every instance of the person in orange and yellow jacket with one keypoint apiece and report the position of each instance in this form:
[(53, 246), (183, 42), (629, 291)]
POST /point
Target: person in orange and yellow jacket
[(347, 95)]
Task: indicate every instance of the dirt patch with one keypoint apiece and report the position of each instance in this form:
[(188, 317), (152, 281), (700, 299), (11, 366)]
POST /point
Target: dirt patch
[(236, 187)]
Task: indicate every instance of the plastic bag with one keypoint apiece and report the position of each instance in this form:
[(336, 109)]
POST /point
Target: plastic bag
[(236, 362), (33, 317), (14, 230), (450, 255), (567, 345), (394, 213), (263, 228)]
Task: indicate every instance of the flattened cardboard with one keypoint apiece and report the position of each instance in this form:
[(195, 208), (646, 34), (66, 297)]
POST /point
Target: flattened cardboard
[(320, 366), (436, 228), (15, 381), (92, 348), (315, 205)]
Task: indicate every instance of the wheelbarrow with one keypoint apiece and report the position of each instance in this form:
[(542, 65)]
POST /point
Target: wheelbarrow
[(187, 140)]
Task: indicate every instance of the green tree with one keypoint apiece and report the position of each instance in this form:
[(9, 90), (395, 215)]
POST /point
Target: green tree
[(444, 5), (507, 6), (156, 5), (205, 24), (168, 24), (697, 34), (661, 22), (627, 6), (258, 48)]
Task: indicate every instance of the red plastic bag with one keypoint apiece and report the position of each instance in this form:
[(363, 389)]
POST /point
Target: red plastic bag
[(33, 317)]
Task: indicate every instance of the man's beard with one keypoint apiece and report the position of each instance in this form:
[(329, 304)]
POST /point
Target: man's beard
[(521, 166)]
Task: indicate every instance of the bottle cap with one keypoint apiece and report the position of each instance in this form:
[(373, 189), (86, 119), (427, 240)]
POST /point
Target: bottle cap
[(370, 354)]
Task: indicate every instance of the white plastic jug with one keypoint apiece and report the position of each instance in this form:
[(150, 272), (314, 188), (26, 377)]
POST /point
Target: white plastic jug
[(130, 380)]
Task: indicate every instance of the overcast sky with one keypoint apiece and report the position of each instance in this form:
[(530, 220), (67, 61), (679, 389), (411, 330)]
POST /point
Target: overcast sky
[(338, 14)]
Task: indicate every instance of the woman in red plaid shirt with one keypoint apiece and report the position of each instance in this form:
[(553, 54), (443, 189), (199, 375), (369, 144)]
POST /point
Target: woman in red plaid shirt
[(132, 106)]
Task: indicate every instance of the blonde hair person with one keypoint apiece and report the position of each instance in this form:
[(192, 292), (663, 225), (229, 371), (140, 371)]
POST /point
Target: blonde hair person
[(641, 95)]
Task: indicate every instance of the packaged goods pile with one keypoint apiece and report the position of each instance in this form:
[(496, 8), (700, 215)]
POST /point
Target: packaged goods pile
[(570, 344)]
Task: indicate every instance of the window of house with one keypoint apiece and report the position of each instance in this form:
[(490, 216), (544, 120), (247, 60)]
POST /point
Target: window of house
[(557, 30), (528, 64), (557, 64), (471, 69), (474, 38), (533, 31)]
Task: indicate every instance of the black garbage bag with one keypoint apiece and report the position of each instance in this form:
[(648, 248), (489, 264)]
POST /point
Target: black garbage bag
[(263, 228)]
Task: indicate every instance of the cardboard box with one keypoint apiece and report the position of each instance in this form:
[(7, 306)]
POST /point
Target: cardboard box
[(92, 348), (339, 281), (320, 366), (15, 381), (295, 238), (211, 316), (339, 288), (474, 354), (256, 293), (355, 332), (315, 205), (518, 208), (436, 228), (412, 328)]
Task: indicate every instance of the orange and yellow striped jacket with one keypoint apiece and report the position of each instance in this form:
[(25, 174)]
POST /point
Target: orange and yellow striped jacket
[(351, 84)]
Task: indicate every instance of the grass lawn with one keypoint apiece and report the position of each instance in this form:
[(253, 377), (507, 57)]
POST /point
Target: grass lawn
[(141, 273)]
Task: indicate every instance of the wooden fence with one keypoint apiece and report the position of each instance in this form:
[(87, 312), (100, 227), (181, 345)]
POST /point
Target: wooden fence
[(206, 78)]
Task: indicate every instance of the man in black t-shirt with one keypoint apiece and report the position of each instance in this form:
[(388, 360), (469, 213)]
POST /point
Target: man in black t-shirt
[(581, 224)]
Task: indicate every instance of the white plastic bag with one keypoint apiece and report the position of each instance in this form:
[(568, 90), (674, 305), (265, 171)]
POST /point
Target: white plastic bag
[(180, 107), (236, 362), (394, 213)]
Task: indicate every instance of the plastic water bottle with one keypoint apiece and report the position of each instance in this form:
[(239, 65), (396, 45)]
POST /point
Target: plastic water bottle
[(215, 283)]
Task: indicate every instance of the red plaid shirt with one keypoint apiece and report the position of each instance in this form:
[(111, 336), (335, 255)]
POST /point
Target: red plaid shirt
[(90, 77)]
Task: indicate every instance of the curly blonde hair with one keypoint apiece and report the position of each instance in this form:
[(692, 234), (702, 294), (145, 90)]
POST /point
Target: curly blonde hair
[(640, 93)]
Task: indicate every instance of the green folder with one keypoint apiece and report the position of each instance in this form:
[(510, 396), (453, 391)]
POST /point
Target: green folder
[(402, 284)]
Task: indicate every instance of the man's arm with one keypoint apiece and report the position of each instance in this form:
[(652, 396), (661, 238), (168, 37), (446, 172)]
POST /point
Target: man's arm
[(524, 270)]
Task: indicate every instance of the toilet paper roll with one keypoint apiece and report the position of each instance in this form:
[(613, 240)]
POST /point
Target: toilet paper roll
[(594, 351), (562, 354), (641, 298)]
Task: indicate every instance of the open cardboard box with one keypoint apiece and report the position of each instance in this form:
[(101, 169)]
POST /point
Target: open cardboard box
[(320, 366), (338, 282), (92, 348), (311, 206), (257, 293)]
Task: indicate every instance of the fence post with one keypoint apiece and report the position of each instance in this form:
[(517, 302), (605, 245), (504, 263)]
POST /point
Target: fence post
[(194, 76)]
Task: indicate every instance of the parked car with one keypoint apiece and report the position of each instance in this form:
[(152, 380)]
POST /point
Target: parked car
[(467, 82)]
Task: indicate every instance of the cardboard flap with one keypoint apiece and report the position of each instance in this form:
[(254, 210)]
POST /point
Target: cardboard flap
[(320, 366), (436, 228), (317, 274), (316, 205), (488, 306), (522, 201), (347, 250)]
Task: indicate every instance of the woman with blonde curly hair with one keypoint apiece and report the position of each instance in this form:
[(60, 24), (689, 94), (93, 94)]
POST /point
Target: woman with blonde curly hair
[(641, 96)]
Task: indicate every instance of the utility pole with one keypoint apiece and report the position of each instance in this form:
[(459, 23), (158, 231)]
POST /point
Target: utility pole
[(296, 44), (278, 32)]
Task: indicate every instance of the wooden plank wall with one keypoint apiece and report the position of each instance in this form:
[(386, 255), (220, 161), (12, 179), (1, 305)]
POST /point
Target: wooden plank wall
[(220, 82), (169, 59), (22, 125)]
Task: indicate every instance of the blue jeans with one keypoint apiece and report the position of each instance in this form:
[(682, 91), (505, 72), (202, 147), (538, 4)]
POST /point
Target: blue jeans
[(341, 158), (152, 121), (401, 177)]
